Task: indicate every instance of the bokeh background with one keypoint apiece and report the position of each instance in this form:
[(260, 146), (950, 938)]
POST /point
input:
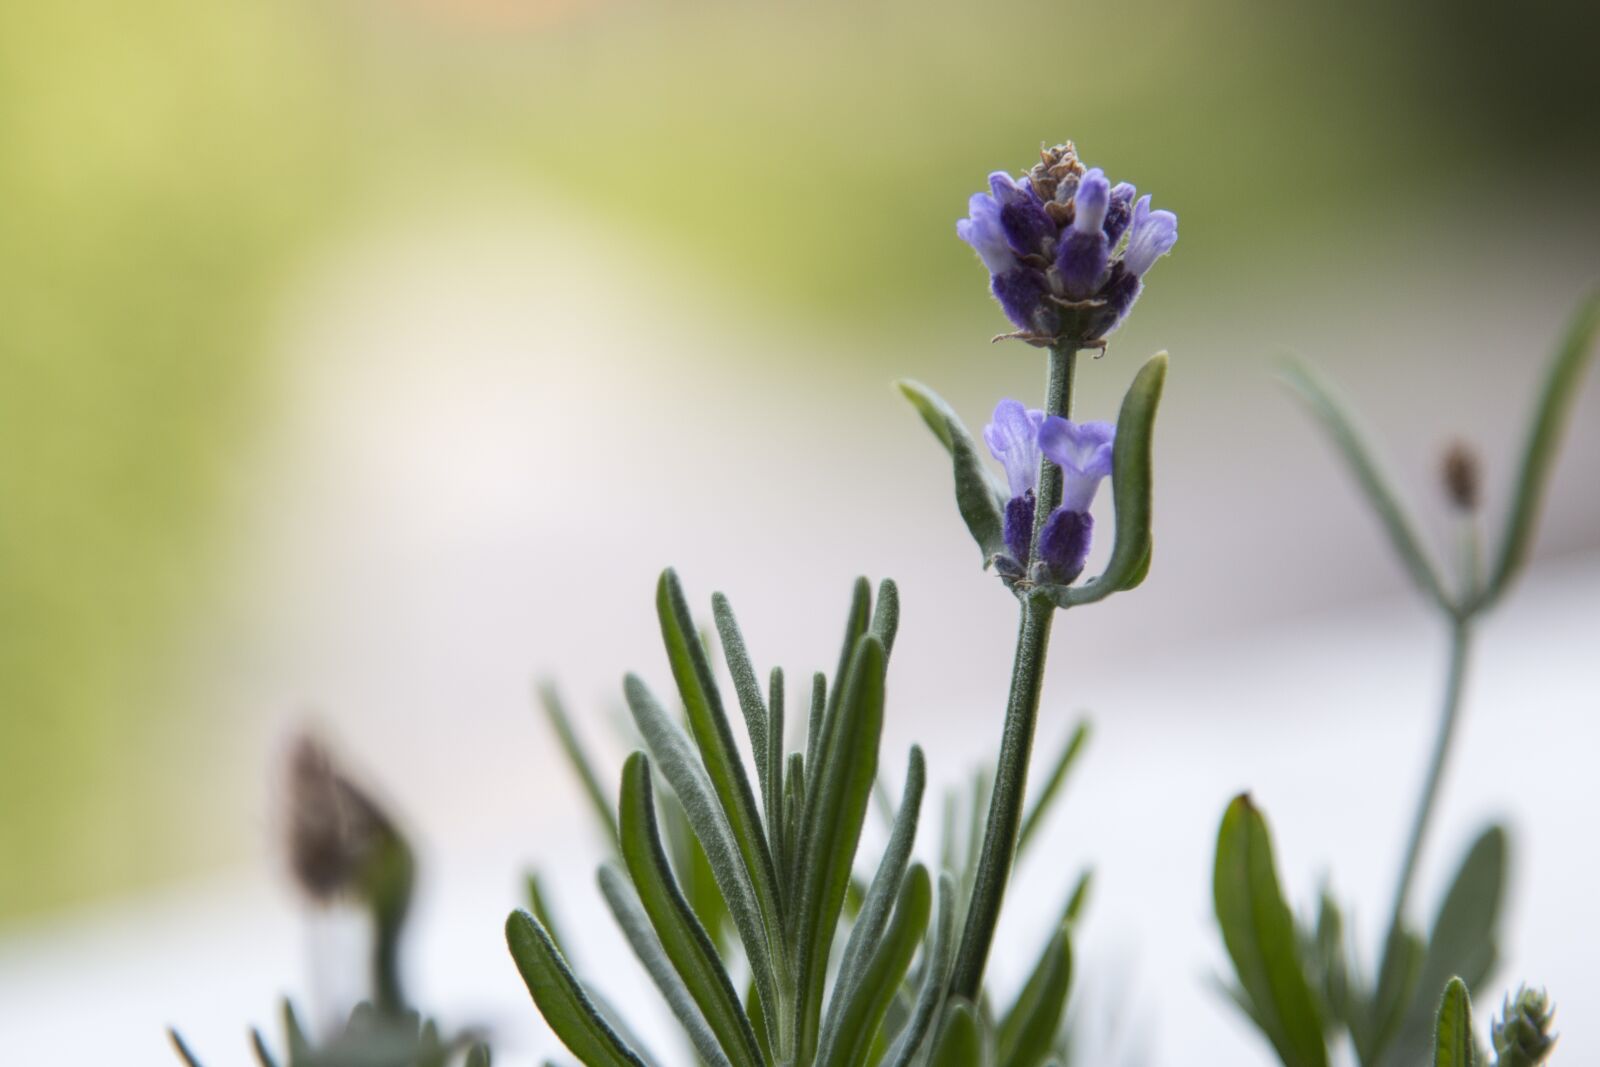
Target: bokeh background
[(362, 359)]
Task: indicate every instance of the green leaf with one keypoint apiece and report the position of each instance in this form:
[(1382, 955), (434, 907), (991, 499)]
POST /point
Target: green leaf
[(746, 686), (599, 799), (540, 908), (1079, 897), (1398, 975), (682, 937), (772, 801), (1453, 1044), (885, 970), (980, 497), (961, 1042), (880, 897), (1260, 935), (1370, 477), (1028, 1031), (181, 1049), (1463, 942), (258, 1043), (1131, 479), (635, 923), (295, 1035), (886, 615), (937, 962), (836, 806), (478, 1056), (561, 1000), (760, 930), (1550, 416), (817, 714), (718, 751), (1052, 786)]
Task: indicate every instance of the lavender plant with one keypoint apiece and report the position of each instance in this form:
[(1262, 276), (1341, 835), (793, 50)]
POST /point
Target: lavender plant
[(1301, 987)]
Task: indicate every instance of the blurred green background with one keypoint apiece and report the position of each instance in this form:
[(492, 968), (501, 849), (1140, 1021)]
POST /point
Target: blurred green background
[(168, 169)]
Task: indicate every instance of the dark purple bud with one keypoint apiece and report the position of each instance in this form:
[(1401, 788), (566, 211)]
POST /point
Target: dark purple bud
[(1019, 526), (1120, 213), (1081, 261), (1021, 292), (1064, 543), (1026, 225)]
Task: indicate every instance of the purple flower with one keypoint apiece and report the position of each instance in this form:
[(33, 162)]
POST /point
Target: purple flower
[(1013, 439), (1083, 452), (1066, 251)]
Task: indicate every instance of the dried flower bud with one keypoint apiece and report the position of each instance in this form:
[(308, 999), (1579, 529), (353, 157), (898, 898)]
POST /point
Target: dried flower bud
[(1522, 1036), (1462, 477), (334, 827)]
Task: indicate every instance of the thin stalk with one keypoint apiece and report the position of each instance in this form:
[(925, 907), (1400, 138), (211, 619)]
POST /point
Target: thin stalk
[(1022, 714), (1460, 653)]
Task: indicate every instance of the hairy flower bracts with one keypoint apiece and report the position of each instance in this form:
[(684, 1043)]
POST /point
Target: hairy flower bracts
[(1019, 438), (1066, 251)]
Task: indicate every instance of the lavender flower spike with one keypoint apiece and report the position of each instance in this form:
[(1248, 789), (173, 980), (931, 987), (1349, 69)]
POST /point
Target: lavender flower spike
[(1083, 452), (1013, 439), (1065, 249)]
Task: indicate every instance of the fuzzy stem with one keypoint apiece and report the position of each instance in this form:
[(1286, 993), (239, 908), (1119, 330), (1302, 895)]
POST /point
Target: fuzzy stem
[(1022, 713), (1460, 653)]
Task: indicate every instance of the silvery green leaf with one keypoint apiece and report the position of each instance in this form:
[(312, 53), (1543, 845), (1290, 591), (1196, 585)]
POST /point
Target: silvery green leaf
[(478, 1056), (1027, 1032), (675, 756), (1370, 477), (937, 961), (1131, 478), (880, 980), (980, 496), (835, 807), (1052, 785), (879, 898), (961, 1041), (772, 800), (886, 614), (1259, 932), (746, 685), (561, 1000), (682, 937), (1559, 392), (598, 797), (635, 923)]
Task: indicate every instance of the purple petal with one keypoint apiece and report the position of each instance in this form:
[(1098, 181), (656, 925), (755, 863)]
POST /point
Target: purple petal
[(1026, 225), (982, 230), (1083, 452), (1013, 439), (1091, 202), (1019, 526), (1120, 212), (1021, 292), (1151, 236)]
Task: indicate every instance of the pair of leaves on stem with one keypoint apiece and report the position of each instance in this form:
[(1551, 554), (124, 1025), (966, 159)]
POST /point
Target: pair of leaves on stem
[(370, 1038), (783, 868), (1298, 986), (1557, 394), (981, 497)]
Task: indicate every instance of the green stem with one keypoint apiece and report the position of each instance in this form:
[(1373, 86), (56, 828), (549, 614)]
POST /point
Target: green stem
[(1460, 652), (1022, 713)]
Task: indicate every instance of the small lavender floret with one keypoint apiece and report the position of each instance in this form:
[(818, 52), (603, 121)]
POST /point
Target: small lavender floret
[(1013, 439), (1083, 452), (1066, 251), (1064, 543)]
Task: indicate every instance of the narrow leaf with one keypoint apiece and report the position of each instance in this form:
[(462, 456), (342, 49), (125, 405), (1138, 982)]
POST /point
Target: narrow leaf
[(936, 966), (1052, 786), (881, 978), (635, 923), (1260, 935), (1550, 417), (1131, 479), (760, 929), (1028, 1031), (540, 908), (836, 806), (886, 615), (258, 1043), (561, 1000), (980, 497), (599, 798), (181, 1049), (746, 685), (772, 800), (961, 1042), (682, 937), (478, 1056), (1454, 1045), (1348, 441), (880, 897)]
